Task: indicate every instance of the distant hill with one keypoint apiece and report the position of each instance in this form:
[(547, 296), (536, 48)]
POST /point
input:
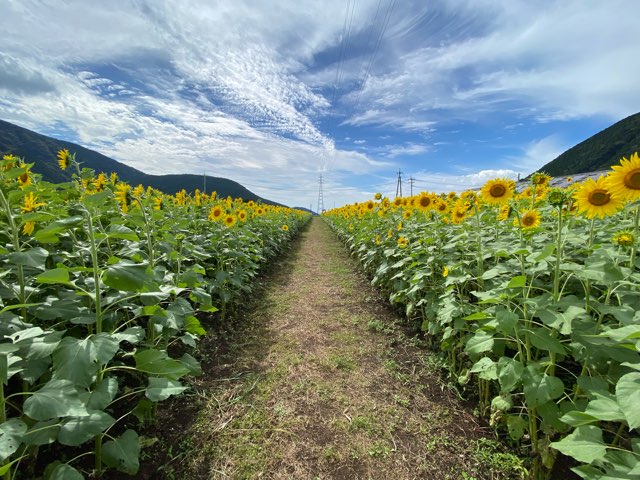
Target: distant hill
[(600, 151), (42, 151), (305, 210)]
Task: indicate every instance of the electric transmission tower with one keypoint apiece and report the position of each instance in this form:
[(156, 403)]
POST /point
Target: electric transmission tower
[(320, 198), (399, 185)]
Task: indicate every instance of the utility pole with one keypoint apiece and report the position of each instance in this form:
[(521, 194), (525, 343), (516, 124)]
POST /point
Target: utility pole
[(411, 180), (320, 197), (399, 184)]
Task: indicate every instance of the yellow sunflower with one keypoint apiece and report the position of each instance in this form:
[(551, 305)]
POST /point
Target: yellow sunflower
[(497, 191), (230, 220), (28, 228), (215, 213), (624, 180), (406, 215), (31, 203), (24, 179), (100, 182), (403, 242), (425, 201), (369, 206), (593, 199), (285, 228), (157, 203), (377, 196), (445, 271), (505, 210), (63, 159), (378, 240), (242, 215), (123, 196), (529, 219), (624, 238)]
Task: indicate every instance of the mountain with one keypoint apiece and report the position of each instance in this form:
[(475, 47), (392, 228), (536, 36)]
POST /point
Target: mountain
[(42, 151), (600, 151)]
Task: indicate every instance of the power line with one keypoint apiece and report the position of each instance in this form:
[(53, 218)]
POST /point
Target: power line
[(411, 182)]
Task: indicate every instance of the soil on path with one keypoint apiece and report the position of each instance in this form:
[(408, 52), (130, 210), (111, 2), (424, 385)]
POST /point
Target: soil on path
[(319, 382)]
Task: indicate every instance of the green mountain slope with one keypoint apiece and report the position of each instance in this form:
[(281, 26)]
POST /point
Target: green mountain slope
[(42, 150), (600, 151)]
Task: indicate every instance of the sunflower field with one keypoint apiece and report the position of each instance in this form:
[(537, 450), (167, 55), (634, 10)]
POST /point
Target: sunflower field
[(105, 290), (533, 297)]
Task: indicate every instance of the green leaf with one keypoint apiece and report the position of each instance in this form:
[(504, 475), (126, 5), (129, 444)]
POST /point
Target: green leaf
[(32, 257), (57, 398), (158, 363), (547, 251), (123, 452), (192, 364), (122, 232), (485, 368), (481, 342), (78, 430), (161, 388), (510, 373), (76, 360), (516, 426), (517, 282), (127, 276), (192, 325), (57, 275), (507, 320), (576, 418), (585, 444), (97, 200), (477, 316), (133, 335), (11, 433), (42, 433), (103, 394), (542, 339), (503, 402), (606, 408), (540, 388), (628, 397), (65, 472)]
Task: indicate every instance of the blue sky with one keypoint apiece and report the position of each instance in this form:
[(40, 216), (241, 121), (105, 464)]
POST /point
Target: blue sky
[(273, 94)]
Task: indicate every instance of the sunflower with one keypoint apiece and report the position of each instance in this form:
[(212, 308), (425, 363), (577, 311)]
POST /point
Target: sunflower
[(403, 242), (378, 240), (113, 178), (215, 213), (9, 161), (458, 214), (242, 215), (157, 203), (377, 196), (24, 179), (529, 219), (497, 191), (624, 238), (593, 199), (406, 215), (445, 271), (285, 228), (230, 221), (425, 201), (397, 201), (399, 226), (386, 203), (504, 212), (29, 227), (369, 206), (31, 203), (624, 180), (441, 206), (100, 182), (540, 178), (63, 159), (390, 233), (123, 196)]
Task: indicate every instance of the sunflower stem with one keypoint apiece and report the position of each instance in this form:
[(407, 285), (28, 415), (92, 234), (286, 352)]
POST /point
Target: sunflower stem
[(556, 270), (636, 231)]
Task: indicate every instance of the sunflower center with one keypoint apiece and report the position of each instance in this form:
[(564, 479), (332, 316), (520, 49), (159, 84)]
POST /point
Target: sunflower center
[(632, 179), (497, 191), (425, 201), (528, 220), (599, 197)]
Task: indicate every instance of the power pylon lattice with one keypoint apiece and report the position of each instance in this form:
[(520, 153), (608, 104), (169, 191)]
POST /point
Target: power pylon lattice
[(399, 185), (320, 197)]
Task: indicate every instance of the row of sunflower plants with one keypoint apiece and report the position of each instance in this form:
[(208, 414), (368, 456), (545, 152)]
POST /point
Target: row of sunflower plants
[(533, 297), (104, 292)]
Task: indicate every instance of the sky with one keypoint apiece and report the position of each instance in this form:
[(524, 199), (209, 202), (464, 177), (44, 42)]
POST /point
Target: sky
[(273, 94)]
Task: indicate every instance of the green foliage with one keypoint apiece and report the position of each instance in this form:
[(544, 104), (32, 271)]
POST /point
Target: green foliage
[(542, 324), (102, 300)]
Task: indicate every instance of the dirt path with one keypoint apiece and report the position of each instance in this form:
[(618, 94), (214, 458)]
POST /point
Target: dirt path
[(319, 382)]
